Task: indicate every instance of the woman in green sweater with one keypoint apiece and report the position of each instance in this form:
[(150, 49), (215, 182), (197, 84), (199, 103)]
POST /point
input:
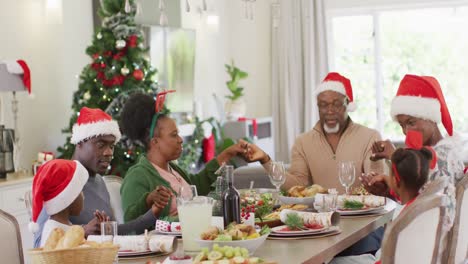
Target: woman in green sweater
[(155, 179)]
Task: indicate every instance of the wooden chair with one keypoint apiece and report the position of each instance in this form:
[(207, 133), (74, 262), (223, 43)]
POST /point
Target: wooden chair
[(11, 249), (414, 237), (113, 184), (436, 186), (458, 236)]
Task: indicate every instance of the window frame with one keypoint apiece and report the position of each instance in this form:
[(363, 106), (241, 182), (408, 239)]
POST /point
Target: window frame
[(374, 8)]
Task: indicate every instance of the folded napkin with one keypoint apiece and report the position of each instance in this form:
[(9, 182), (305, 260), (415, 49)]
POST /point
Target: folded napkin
[(325, 219), (141, 243), (166, 226)]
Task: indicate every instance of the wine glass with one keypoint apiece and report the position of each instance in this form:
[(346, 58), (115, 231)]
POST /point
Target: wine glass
[(277, 175), (186, 193), (347, 174)]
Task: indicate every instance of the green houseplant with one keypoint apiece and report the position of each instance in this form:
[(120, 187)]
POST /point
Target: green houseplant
[(235, 106)]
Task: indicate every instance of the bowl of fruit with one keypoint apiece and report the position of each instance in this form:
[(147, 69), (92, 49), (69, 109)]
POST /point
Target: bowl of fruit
[(235, 235), (225, 255)]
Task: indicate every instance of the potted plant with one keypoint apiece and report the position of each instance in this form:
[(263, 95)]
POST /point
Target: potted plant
[(235, 105)]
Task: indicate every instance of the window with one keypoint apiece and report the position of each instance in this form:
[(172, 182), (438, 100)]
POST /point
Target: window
[(376, 49)]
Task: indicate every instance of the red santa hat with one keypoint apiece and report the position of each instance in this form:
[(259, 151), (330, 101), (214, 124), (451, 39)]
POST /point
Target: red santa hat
[(56, 185), (94, 122), (421, 97), (19, 67), (340, 84)]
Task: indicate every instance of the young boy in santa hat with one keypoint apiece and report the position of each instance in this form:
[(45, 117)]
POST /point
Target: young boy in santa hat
[(58, 187)]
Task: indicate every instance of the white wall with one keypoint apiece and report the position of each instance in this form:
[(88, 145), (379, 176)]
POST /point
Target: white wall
[(55, 54), (245, 41)]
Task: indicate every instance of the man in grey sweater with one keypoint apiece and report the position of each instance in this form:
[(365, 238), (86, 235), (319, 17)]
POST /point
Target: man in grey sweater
[(95, 135)]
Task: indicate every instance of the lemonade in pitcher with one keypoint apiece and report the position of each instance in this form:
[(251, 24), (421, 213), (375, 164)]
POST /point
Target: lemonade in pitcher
[(194, 217)]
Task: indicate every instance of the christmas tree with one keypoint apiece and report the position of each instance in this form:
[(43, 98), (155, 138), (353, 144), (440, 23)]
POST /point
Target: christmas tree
[(119, 67)]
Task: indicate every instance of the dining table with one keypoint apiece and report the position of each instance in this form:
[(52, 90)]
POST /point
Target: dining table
[(320, 249)]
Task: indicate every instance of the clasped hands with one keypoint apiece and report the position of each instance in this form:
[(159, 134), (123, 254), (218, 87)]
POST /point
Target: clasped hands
[(93, 227), (158, 199), (374, 183), (248, 151)]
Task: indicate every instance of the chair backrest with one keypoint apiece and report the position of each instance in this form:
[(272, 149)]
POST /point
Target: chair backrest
[(458, 236), (436, 186), (11, 249), (414, 237), (113, 184), (28, 202)]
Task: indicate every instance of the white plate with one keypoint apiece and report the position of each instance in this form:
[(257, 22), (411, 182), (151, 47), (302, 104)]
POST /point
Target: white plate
[(300, 232), (328, 230), (170, 233), (134, 253), (371, 210), (297, 200)]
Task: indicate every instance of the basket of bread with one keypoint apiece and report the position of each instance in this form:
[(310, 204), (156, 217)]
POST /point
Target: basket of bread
[(302, 195), (71, 247)]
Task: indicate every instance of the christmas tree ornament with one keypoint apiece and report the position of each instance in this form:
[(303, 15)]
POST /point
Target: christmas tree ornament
[(86, 96), (120, 44), (128, 7), (132, 41), (124, 70), (138, 74), (99, 35)]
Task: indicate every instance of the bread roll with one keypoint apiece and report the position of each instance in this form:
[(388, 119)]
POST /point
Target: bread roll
[(54, 238), (72, 238)]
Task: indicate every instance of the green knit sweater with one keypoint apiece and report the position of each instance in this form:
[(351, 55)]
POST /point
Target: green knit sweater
[(142, 178)]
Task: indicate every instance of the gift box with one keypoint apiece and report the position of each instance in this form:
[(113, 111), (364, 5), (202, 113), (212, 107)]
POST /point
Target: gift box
[(42, 157)]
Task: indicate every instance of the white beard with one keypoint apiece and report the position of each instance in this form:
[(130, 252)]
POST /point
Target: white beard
[(331, 130)]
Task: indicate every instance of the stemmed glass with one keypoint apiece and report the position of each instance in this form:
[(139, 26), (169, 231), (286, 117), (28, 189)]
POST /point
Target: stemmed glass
[(186, 193), (277, 175), (347, 174)]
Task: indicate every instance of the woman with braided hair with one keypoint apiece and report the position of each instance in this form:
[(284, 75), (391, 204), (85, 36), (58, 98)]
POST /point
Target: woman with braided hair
[(155, 178)]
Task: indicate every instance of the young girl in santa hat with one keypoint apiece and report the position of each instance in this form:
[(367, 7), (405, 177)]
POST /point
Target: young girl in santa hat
[(410, 170), (57, 186)]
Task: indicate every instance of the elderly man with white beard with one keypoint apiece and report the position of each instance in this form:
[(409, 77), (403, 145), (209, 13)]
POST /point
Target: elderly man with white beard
[(317, 153)]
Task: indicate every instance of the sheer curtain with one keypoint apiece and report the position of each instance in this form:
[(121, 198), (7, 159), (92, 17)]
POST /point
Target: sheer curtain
[(299, 62)]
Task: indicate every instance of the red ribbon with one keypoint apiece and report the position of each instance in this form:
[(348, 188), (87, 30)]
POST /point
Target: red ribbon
[(395, 172), (26, 75), (160, 98), (414, 140), (254, 123)]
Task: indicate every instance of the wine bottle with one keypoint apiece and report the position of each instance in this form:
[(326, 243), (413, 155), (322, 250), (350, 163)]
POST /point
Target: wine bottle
[(231, 199)]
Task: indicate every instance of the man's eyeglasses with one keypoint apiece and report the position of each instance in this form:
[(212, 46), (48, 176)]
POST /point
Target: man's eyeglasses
[(335, 106)]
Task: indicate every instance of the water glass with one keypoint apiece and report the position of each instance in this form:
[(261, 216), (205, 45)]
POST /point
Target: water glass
[(346, 174), (329, 202), (187, 192), (108, 231)]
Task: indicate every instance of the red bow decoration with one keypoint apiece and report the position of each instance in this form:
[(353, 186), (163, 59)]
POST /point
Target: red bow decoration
[(26, 74), (160, 98), (254, 124), (414, 140)]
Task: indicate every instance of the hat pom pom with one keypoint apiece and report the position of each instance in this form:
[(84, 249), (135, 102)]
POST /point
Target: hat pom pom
[(33, 227), (351, 107)]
